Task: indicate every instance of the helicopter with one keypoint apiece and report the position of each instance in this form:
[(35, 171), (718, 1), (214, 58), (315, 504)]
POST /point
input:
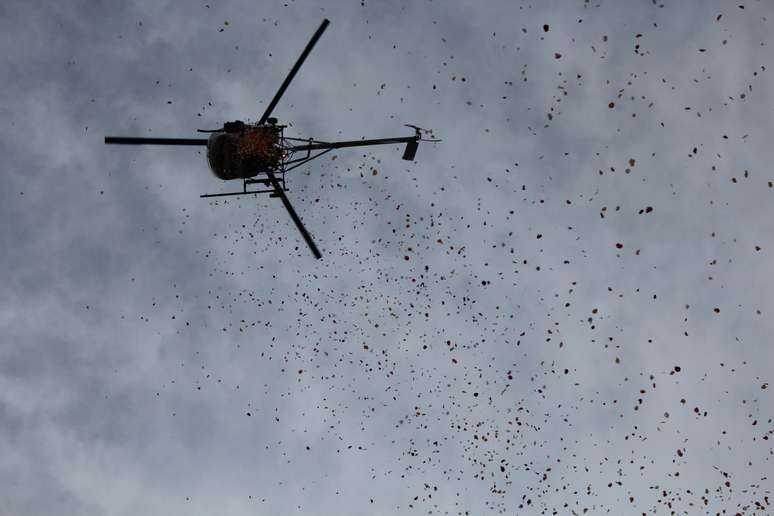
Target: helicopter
[(260, 154)]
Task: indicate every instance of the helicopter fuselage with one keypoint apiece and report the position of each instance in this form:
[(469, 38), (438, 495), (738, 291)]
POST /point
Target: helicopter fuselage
[(242, 151)]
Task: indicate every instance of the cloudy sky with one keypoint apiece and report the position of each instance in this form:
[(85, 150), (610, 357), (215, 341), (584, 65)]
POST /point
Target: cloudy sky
[(563, 308)]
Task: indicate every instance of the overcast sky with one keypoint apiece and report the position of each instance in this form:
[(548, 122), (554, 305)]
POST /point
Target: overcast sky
[(563, 308)]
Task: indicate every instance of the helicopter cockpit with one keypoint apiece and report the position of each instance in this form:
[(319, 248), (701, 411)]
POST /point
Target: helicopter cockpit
[(241, 150)]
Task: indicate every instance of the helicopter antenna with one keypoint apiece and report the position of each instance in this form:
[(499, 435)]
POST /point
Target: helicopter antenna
[(294, 70)]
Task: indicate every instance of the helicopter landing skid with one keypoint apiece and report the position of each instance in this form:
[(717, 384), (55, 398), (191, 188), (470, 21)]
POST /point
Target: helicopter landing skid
[(271, 191)]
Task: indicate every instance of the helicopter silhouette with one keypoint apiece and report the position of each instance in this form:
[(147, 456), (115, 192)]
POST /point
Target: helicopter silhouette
[(260, 154)]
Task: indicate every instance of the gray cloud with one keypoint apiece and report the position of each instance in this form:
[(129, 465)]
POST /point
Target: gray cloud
[(518, 360)]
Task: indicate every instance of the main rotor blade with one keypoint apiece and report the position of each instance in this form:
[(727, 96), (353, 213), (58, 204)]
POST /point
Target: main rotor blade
[(294, 70), (293, 215), (126, 140)]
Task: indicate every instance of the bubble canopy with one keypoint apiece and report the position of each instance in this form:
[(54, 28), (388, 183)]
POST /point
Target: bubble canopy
[(244, 154)]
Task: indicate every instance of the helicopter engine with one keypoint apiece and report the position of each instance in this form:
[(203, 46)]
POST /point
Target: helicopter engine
[(242, 151)]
